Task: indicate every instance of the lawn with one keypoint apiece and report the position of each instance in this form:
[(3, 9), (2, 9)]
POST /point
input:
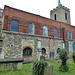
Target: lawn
[(27, 70)]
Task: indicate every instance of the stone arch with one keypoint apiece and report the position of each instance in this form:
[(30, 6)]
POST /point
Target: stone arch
[(27, 51)]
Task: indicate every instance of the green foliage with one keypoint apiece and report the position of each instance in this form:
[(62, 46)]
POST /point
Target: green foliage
[(73, 56), (63, 68), (27, 70), (38, 67), (42, 58), (64, 57)]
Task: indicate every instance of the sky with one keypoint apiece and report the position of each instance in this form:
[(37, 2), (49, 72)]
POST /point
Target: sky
[(40, 7)]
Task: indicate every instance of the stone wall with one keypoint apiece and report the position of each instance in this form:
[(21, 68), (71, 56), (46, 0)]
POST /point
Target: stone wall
[(14, 44), (10, 66)]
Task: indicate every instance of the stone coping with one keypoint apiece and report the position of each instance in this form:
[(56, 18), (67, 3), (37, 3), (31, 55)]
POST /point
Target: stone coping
[(1, 38), (11, 60)]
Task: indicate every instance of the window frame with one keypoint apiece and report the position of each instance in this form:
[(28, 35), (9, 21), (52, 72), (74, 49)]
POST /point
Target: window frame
[(67, 46), (55, 17), (33, 29), (12, 28), (73, 46), (43, 50), (69, 36), (45, 31), (65, 16), (55, 35), (25, 52)]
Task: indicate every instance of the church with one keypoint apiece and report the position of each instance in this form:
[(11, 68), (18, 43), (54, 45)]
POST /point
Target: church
[(26, 35)]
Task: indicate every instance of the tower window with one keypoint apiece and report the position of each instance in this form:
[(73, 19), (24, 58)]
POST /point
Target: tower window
[(65, 16), (55, 17)]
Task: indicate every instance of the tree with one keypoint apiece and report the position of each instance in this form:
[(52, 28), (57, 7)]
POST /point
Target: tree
[(64, 57)]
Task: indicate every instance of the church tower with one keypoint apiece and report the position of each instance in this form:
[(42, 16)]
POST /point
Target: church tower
[(61, 13)]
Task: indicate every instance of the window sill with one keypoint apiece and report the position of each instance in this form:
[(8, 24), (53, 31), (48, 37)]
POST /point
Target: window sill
[(44, 54), (27, 56)]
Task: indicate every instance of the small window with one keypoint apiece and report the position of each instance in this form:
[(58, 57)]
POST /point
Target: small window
[(73, 46), (67, 46), (43, 51), (27, 52), (58, 50), (65, 16), (55, 17)]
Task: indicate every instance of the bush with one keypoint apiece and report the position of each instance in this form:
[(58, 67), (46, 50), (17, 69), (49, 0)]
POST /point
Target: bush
[(38, 67), (73, 56), (64, 57)]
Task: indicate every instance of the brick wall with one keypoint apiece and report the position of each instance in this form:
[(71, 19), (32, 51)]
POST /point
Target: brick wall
[(24, 18)]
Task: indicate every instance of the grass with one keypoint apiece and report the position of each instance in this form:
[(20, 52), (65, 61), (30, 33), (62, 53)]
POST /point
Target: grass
[(27, 70)]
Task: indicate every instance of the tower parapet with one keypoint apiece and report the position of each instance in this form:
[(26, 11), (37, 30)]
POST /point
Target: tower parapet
[(61, 13)]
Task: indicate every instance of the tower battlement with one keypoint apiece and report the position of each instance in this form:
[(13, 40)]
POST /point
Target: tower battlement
[(61, 13)]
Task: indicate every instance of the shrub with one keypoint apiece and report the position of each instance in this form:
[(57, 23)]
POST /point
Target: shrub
[(73, 56), (38, 67), (64, 57)]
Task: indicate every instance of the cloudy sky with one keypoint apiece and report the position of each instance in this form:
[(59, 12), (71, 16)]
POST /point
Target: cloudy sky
[(40, 7)]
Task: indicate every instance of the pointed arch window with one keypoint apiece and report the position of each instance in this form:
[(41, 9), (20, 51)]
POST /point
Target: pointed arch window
[(69, 34), (67, 46), (14, 25), (55, 33), (45, 31), (31, 29), (73, 46), (27, 52)]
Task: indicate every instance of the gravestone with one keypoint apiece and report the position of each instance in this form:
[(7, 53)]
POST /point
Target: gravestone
[(11, 64), (48, 70)]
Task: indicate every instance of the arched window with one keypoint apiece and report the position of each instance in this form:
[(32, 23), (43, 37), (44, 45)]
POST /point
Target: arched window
[(69, 35), (67, 46), (31, 29), (45, 31), (14, 26), (58, 50), (27, 52), (43, 51), (55, 33), (73, 46)]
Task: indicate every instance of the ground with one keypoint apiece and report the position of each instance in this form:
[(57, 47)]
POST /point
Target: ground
[(27, 69)]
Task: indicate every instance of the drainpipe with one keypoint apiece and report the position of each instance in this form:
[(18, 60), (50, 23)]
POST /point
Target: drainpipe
[(63, 37)]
